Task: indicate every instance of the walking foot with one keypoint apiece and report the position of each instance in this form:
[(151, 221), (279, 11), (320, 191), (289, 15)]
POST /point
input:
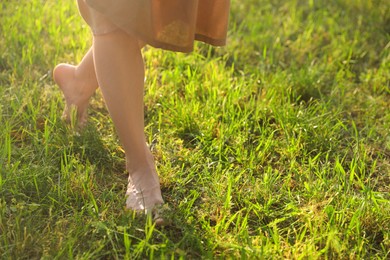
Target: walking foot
[(74, 93)]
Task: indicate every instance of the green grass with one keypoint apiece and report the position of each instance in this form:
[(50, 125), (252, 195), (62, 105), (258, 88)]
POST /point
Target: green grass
[(276, 146)]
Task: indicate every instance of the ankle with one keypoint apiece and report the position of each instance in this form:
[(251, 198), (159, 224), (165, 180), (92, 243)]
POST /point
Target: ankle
[(85, 72), (140, 162), (83, 82)]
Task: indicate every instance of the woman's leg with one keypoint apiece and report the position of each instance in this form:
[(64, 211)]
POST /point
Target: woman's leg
[(78, 84), (120, 72)]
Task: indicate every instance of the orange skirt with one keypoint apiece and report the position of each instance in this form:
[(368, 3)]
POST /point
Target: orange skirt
[(167, 24)]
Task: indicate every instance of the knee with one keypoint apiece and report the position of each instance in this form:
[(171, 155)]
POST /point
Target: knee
[(98, 23)]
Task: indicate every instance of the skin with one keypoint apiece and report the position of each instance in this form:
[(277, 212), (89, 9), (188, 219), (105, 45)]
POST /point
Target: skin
[(115, 64), (78, 84)]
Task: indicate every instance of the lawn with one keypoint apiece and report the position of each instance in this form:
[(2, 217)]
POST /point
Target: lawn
[(276, 146)]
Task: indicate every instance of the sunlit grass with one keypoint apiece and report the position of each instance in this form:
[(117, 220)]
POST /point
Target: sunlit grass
[(275, 146)]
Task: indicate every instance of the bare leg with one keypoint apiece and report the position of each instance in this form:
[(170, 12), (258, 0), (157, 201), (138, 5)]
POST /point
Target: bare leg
[(77, 83), (120, 73)]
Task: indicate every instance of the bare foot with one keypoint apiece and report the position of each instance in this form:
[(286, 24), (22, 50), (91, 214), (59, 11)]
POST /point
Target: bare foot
[(143, 191), (74, 93)]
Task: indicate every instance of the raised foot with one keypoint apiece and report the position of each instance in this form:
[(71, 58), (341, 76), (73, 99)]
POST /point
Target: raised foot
[(72, 89)]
